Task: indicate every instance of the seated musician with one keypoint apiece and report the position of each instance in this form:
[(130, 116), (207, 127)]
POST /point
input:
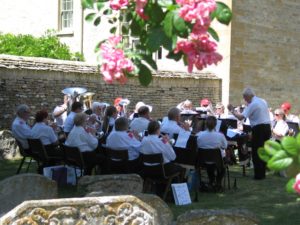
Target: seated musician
[(280, 128), (86, 141), (109, 118), (173, 125), (186, 107), (286, 107), (41, 130), (20, 129), (210, 139), (140, 124), (120, 139), (137, 106), (152, 144), (69, 123)]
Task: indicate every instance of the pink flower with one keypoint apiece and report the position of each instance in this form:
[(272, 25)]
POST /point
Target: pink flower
[(139, 8), (114, 62), (118, 4), (297, 184), (200, 51)]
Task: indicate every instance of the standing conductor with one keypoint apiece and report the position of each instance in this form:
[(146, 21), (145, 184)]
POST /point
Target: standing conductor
[(258, 114)]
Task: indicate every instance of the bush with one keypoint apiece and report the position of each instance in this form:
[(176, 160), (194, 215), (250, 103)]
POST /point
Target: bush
[(47, 46)]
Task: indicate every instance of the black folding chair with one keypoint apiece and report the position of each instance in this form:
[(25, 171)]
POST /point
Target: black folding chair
[(159, 176), (117, 161), (187, 155), (25, 154), (212, 157), (73, 158)]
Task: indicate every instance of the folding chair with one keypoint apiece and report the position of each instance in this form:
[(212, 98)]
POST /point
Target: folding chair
[(188, 155), (159, 176), (117, 161), (73, 158), (25, 155), (212, 157)]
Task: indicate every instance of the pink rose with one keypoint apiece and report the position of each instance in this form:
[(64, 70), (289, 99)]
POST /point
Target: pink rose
[(297, 184)]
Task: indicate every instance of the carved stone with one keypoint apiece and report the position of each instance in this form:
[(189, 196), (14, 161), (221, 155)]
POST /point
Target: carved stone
[(8, 145), (165, 215), (16, 189), (117, 184), (123, 210), (217, 217)]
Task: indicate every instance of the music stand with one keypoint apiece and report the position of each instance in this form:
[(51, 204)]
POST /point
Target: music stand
[(294, 126)]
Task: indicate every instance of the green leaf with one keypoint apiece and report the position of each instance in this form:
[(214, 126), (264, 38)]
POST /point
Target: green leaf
[(97, 21), (97, 47), (107, 12), (290, 145), (165, 3), (272, 147), (279, 161), (174, 56), (156, 38), (168, 24), (223, 13), (156, 13), (113, 30), (290, 186), (145, 75), (179, 23), (213, 33), (298, 141), (263, 155), (87, 4), (90, 17), (149, 60), (100, 5)]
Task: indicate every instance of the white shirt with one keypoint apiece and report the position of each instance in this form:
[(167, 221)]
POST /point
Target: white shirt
[(21, 131), (85, 141), (257, 112), (292, 118), (69, 123), (44, 132), (281, 128), (139, 124), (60, 120), (212, 140), (152, 144), (120, 140), (171, 127)]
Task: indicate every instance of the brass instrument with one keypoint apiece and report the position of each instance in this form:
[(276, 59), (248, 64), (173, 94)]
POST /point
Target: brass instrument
[(87, 99)]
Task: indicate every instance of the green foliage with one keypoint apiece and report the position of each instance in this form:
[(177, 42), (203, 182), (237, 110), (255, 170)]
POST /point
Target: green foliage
[(47, 46)]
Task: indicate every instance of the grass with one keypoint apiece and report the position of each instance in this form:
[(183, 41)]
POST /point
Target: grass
[(267, 199)]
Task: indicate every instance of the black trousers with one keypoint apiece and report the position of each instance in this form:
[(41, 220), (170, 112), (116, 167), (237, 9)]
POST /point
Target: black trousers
[(260, 134)]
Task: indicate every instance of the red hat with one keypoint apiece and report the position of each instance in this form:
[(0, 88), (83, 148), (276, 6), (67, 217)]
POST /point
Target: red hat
[(286, 106), (117, 101), (204, 102)]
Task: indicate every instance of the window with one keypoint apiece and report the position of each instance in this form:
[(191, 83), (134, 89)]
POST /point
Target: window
[(66, 14)]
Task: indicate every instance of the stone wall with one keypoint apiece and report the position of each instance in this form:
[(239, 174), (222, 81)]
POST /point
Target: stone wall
[(265, 50), (35, 80)]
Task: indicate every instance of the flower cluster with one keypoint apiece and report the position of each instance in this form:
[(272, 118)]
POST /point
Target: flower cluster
[(199, 49), (139, 6), (114, 61), (196, 10), (297, 184)]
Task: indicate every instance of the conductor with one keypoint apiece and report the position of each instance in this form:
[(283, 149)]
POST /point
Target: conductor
[(258, 114)]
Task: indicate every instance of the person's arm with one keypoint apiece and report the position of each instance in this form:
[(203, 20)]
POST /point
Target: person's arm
[(58, 111), (236, 114)]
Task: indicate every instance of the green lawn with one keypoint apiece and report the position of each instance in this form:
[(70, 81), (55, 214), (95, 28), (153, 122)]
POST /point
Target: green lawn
[(267, 198)]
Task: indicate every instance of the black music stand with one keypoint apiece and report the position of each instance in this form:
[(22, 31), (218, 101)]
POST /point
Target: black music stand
[(294, 126)]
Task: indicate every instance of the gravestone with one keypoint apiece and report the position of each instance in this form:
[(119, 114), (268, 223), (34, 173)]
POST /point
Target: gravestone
[(165, 215), (84, 211), (217, 217), (16, 189), (8, 145), (117, 184)]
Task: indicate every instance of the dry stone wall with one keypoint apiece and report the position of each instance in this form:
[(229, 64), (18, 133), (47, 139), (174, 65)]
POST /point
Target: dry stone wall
[(35, 81)]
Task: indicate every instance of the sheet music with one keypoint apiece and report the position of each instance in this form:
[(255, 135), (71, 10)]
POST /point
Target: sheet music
[(218, 126), (232, 132), (181, 194), (182, 139)]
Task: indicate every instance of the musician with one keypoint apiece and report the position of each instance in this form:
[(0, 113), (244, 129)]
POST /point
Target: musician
[(173, 125), (76, 107), (137, 106), (121, 105), (258, 113), (109, 118), (86, 141), (286, 107), (206, 106), (140, 124), (211, 139), (20, 129), (120, 139), (280, 128), (185, 107), (60, 112), (152, 144)]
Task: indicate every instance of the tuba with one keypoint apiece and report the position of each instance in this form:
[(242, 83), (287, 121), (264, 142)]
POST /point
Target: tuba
[(87, 100)]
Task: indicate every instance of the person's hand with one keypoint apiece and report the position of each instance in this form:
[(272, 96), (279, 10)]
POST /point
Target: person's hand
[(165, 139)]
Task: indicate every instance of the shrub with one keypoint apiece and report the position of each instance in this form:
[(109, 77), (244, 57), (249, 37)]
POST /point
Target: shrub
[(47, 46)]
